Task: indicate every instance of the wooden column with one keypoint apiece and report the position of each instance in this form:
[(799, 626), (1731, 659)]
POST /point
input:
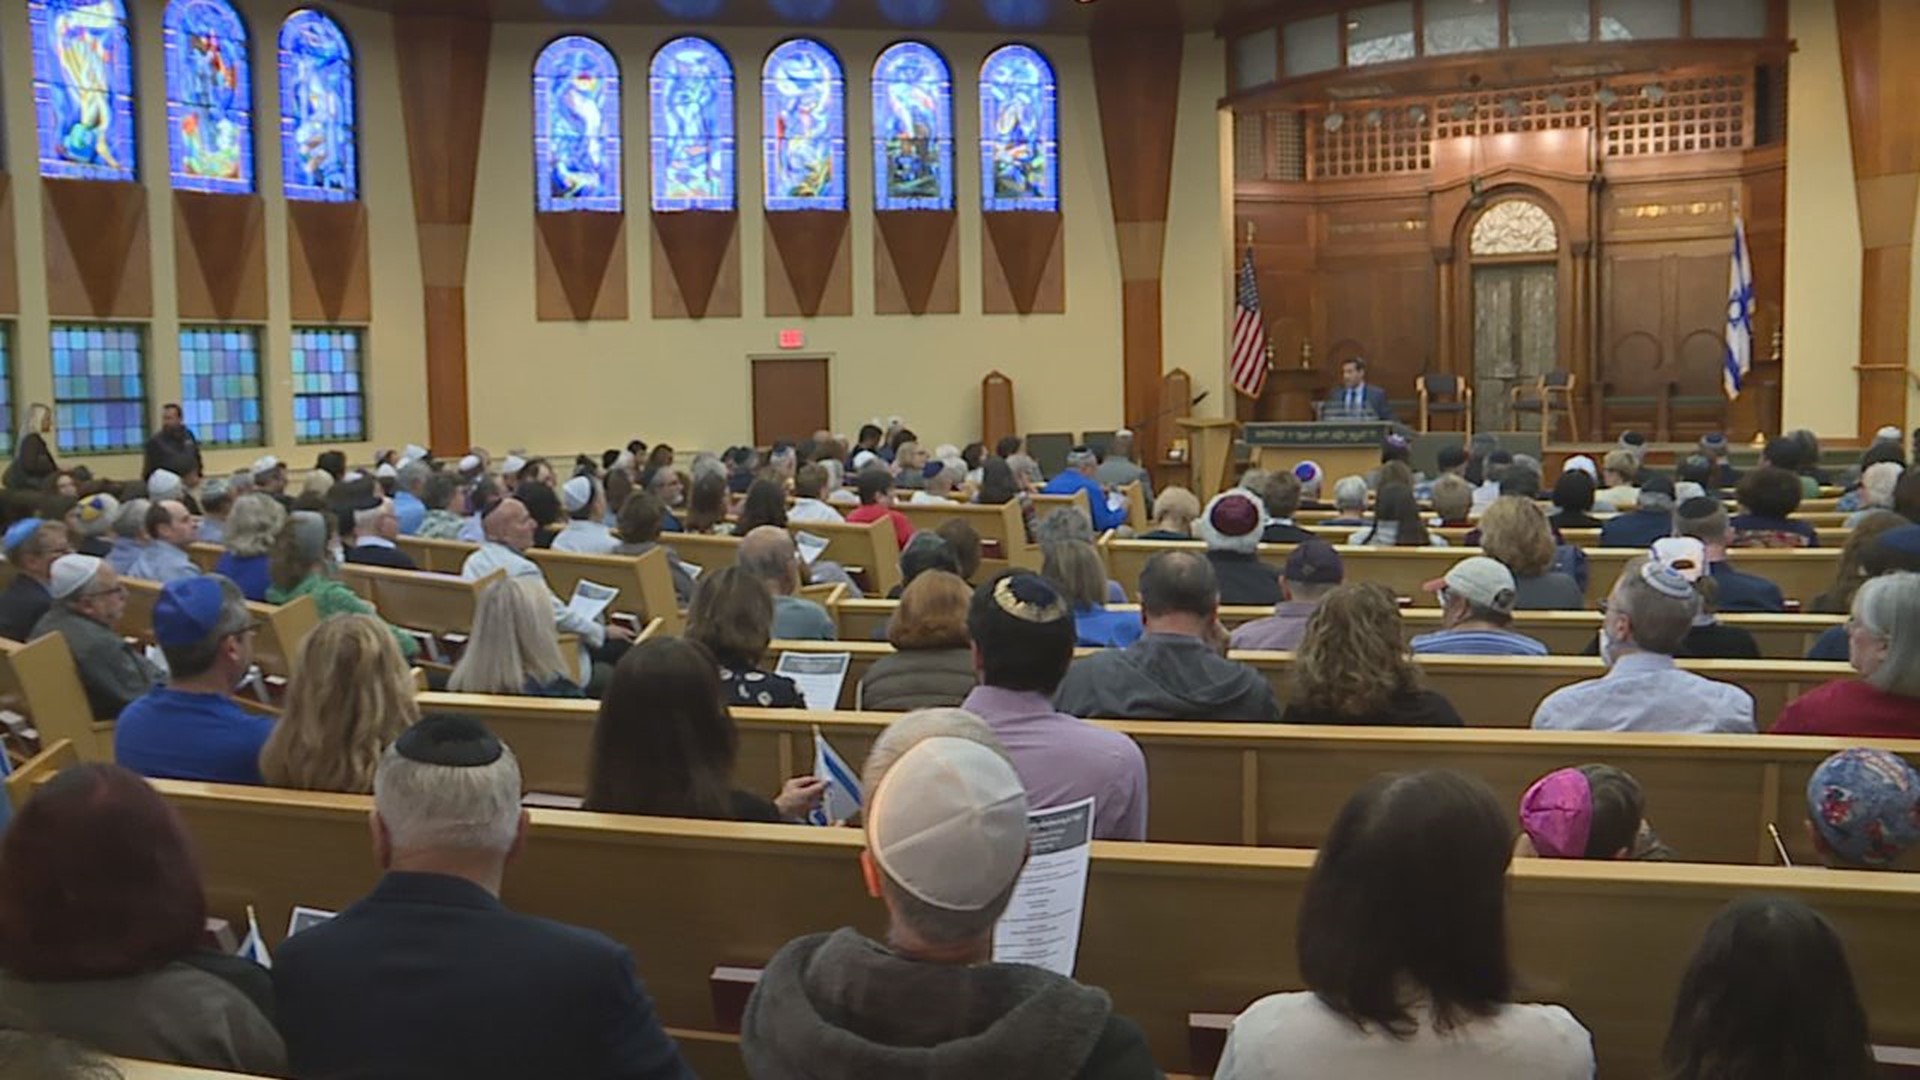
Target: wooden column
[(443, 89), (1136, 73), (1882, 72)]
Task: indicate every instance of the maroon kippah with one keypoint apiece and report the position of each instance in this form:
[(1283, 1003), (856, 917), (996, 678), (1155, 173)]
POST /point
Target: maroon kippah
[(1234, 515)]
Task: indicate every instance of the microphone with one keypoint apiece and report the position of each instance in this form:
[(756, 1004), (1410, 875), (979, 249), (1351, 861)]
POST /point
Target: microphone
[(1170, 410)]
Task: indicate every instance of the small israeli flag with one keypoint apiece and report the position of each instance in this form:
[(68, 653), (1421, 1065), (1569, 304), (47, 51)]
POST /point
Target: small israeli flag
[(843, 798), (254, 948), (1738, 354)]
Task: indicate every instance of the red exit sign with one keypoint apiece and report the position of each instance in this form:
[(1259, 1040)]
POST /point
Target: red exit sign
[(793, 339)]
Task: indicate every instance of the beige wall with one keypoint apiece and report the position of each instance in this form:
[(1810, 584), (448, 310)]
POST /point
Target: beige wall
[(397, 378)]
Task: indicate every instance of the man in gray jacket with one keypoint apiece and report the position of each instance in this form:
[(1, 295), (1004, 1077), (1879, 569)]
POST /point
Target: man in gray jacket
[(88, 601)]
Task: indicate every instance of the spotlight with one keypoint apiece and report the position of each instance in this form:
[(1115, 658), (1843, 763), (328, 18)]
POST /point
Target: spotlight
[(1654, 93), (1335, 121)]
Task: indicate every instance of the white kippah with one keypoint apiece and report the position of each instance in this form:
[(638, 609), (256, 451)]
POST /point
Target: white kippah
[(386, 471), (264, 465), (948, 823), (413, 452), (576, 493), (163, 482), (470, 463), (71, 573), (1666, 580), (513, 464)]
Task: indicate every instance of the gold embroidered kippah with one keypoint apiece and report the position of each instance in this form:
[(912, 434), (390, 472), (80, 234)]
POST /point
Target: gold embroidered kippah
[(1029, 598)]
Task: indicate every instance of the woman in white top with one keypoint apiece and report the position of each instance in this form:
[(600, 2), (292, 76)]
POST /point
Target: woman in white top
[(1402, 943)]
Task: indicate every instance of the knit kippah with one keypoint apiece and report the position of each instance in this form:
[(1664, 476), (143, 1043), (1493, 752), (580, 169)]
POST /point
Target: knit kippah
[(1029, 598), (1666, 581), (456, 742)]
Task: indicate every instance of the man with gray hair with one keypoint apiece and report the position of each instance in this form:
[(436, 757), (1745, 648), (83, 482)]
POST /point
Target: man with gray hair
[(1648, 616), (191, 728), (1120, 469), (1349, 501), (129, 535), (1082, 463), (409, 485), (769, 553), (88, 601), (374, 526), (430, 975), (946, 831)]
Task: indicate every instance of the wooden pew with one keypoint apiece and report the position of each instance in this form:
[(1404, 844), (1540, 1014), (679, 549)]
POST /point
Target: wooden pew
[(1047, 504), (42, 672), (1608, 940), (1710, 797), (1139, 518), (645, 582), (436, 556), (204, 555), (1003, 533), (45, 765), (869, 552), (433, 605), (709, 553), (136, 619), (130, 1069), (1490, 692)]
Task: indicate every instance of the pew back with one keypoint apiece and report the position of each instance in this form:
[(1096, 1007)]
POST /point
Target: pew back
[(42, 672), (645, 581), (1003, 534), (437, 556), (435, 604)]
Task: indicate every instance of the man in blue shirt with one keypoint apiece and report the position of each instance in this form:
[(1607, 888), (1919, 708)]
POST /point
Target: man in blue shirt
[(191, 728), (407, 504), (1355, 400), (1476, 603), (1078, 476)]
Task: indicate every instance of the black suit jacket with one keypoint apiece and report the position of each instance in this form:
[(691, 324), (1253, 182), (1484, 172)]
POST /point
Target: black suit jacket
[(1374, 400), (381, 556), (431, 976)]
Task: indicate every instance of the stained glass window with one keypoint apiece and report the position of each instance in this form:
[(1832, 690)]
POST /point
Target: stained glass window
[(329, 399), (83, 88), (319, 152), (691, 91), (99, 387), (576, 119), (912, 129), (1019, 131), (220, 384), (6, 388), (209, 98), (804, 125)]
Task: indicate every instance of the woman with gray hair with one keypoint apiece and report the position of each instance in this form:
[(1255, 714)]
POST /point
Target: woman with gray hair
[(1883, 645), (302, 564), (515, 648), (1877, 482), (252, 525)]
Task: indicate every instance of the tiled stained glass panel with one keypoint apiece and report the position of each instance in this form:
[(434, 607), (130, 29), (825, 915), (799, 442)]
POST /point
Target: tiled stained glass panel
[(99, 387), (329, 398), (220, 384)]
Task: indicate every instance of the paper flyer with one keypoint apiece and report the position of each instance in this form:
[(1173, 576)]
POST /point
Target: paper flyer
[(590, 598), (818, 675), (811, 547), (1042, 923)]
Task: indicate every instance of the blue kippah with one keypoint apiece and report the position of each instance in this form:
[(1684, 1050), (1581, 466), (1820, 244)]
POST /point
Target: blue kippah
[(19, 532)]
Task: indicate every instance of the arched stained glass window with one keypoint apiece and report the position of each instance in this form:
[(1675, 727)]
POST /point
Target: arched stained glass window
[(576, 121), (1019, 132), (691, 91), (209, 98), (319, 129), (804, 122), (83, 88), (912, 129)]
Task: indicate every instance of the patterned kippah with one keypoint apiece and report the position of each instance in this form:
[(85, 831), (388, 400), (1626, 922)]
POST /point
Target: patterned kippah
[(1666, 581), (1029, 598)]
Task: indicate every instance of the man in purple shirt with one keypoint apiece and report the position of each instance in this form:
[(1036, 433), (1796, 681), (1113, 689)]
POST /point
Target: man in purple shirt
[(1313, 570), (1023, 635)]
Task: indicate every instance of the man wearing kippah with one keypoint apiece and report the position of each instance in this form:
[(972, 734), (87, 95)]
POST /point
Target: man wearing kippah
[(430, 976), (1705, 520), (191, 728), (946, 831), (31, 546), (1863, 809), (88, 601), (1082, 464)]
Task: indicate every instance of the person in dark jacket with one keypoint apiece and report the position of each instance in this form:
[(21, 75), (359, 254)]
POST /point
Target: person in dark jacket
[(1650, 520), (430, 975), (932, 663), (32, 546), (1353, 667), (370, 528), (946, 830), (1231, 525), (173, 447), (1280, 492), (88, 604), (33, 462), (1705, 519), (1176, 670)]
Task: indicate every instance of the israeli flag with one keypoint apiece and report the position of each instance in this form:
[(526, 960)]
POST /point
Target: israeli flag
[(843, 799), (254, 948), (1738, 358)]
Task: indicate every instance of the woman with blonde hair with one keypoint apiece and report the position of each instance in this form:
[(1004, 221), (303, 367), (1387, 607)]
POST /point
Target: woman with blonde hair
[(350, 697), (1514, 531), (932, 663), (514, 648), (252, 524), (1174, 511), (1353, 667), (1076, 569)]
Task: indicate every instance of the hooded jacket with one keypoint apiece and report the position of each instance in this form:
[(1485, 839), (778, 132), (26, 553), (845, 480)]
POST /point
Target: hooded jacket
[(1165, 677), (841, 1006)]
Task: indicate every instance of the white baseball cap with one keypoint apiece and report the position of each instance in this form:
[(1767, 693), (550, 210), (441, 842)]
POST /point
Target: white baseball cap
[(1482, 581)]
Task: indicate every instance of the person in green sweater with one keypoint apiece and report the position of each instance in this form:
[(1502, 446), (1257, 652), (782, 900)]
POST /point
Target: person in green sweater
[(303, 566)]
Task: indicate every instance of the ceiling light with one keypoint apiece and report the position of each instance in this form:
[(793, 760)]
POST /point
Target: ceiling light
[(1335, 121), (1417, 114), (1606, 97), (1654, 92)]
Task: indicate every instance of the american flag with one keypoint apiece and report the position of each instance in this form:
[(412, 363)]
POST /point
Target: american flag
[(1248, 362)]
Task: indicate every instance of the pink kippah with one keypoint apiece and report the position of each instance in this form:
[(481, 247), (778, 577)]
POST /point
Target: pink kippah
[(1557, 814)]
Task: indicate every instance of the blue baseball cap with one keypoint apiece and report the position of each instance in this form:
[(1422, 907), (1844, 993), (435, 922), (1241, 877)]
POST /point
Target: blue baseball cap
[(189, 611), (1865, 804)]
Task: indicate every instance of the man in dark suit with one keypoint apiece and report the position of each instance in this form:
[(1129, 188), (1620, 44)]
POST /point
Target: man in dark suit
[(370, 527), (1355, 398), (430, 975)]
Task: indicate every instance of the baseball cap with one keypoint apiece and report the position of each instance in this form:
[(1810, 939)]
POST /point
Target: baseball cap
[(948, 824), (1314, 562), (71, 573), (1482, 581), (1556, 813), (1865, 805), (189, 610)]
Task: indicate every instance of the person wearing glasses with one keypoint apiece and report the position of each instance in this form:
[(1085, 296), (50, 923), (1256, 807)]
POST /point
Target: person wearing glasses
[(88, 602), (192, 728), (31, 545)]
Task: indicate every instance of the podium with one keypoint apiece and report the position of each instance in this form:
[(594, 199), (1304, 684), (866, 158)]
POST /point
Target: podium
[(1209, 449), (1340, 448)]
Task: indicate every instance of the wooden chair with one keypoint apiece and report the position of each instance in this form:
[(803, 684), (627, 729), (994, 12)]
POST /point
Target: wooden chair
[(282, 629), (644, 581), (1554, 390), (1446, 394), (43, 671)]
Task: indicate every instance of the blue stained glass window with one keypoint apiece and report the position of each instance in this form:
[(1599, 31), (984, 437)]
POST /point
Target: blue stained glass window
[(6, 388), (83, 88), (329, 398), (576, 119), (804, 123), (691, 91), (209, 98), (220, 384), (912, 129), (99, 387), (319, 130), (1019, 132)]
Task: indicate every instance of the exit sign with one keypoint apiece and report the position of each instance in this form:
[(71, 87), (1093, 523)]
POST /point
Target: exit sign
[(793, 339)]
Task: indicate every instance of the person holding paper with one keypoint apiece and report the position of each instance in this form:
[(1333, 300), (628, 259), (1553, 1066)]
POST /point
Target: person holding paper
[(510, 531), (732, 615), (946, 830)]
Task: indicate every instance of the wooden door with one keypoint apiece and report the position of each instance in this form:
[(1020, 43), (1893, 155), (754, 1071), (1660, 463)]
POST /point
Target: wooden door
[(790, 398), (1515, 336)]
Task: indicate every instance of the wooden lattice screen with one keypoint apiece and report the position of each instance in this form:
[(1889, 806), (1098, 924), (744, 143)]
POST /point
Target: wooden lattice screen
[(1708, 112)]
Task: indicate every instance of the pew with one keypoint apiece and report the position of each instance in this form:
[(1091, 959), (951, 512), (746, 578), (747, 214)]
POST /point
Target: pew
[(709, 553), (645, 582), (1710, 797), (130, 1069), (436, 556), (435, 606), (869, 550), (206, 556), (1139, 516), (1565, 633), (1456, 536), (1488, 692), (1047, 504), (1003, 532), (42, 673), (1608, 940)]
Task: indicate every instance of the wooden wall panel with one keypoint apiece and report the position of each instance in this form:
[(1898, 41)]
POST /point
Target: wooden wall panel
[(1023, 264), (916, 263), (1382, 309), (9, 251), (580, 267), (329, 276), (696, 265), (808, 263), (220, 256), (1664, 316), (99, 255)]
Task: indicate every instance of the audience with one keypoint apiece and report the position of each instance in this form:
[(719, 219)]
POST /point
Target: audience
[(1769, 496), (169, 529), (1119, 469), (1176, 670), (375, 527), (1883, 645), (1174, 512), (1279, 492), (1352, 668), (514, 648), (1853, 570), (1231, 528), (1650, 519), (430, 975), (1768, 994), (1078, 477), (1877, 484), (1516, 533), (252, 526), (663, 483), (1863, 809), (641, 521), (446, 502), (302, 565), (410, 485), (510, 532), (1476, 613), (93, 520), (998, 486), (664, 744), (1075, 568), (587, 532), (1402, 943), (1350, 495), (1587, 812), (932, 662), (875, 486), (765, 503), (88, 605), (1710, 639), (732, 615), (1573, 497), (707, 504), (964, 539), (809, 482), (1705, 519), (1619, 474), (129, 536), (1023, 633), (946, 839), (103, 931), (32, 547), (1397, 522), (334, 729), (1313, 570), (769, 554), (1648, 616), (1452, 499), (191, 728)]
